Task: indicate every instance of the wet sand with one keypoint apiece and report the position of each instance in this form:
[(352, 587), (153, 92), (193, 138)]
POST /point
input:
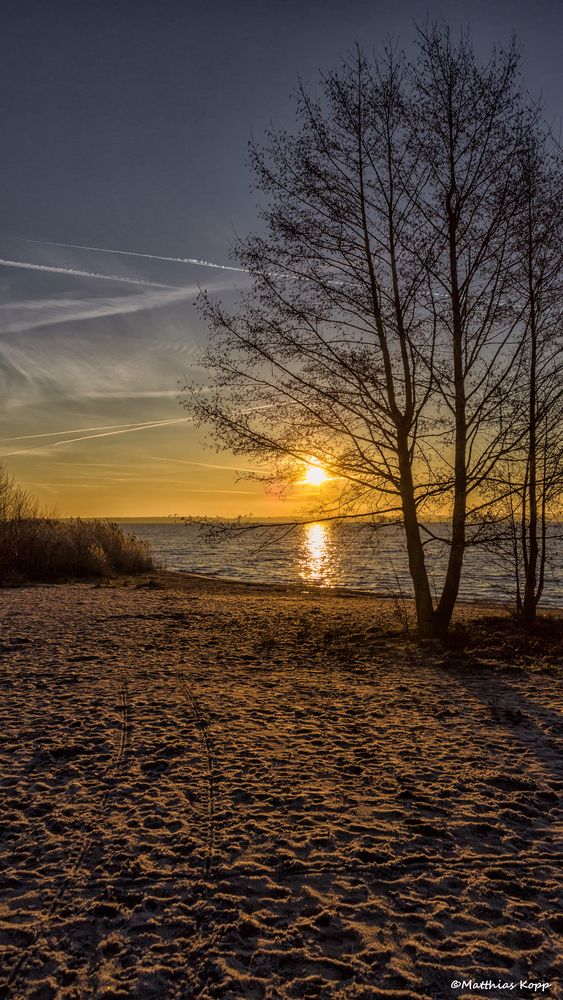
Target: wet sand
[(229, 791)]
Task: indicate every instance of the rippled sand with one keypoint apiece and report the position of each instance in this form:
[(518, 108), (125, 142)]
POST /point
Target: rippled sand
[(242, 792)]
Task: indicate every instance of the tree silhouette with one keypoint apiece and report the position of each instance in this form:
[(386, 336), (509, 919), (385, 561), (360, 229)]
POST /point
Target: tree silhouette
[(385, 330), (535, 467)]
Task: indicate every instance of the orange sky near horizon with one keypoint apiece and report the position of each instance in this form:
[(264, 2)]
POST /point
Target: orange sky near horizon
[(151, 468)]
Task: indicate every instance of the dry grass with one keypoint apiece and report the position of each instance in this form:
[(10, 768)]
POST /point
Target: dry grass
[(42, 548), (35, 545)]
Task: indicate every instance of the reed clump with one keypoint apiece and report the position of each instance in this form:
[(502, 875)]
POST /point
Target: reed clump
[(50, 549), (36, 546)]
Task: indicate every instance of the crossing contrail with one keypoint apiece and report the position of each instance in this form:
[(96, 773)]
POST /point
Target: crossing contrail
[(129, 430), (148, 425), (85, 430), (51, 269), (132, 253)]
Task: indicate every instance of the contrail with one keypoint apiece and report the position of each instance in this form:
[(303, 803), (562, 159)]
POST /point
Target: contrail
[(84, 486), (90, 437), (237, 493), (202, 465), (25, 265), (128, 430), (132, 253), (83, 430)]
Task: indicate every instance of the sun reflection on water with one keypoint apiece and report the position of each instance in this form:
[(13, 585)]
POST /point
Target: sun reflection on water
[(317, 562)]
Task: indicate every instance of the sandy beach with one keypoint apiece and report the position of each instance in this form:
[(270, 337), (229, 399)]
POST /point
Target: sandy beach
[(224, 791)]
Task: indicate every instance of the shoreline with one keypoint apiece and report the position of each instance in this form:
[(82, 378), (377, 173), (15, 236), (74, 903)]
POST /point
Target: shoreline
[(187, 579), (504, 604)]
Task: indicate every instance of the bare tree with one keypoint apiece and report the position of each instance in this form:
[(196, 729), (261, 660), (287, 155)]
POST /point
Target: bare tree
[(382, 331), (535, 468), (466, 120), (16, 504)]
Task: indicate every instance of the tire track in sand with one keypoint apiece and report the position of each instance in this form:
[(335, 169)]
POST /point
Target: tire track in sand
[(205, 938), (211, 790)]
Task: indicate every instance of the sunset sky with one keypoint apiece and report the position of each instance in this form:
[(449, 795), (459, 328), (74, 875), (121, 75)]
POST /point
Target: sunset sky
[(125, 127)]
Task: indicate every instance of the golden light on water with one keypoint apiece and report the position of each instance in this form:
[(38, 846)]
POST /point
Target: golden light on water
[(317, 562)]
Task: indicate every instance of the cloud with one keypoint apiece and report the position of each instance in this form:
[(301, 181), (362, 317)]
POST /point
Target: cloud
[(127, 360), (31, 314), (211, 492), (51, 486), (202, 465), (135, 394)]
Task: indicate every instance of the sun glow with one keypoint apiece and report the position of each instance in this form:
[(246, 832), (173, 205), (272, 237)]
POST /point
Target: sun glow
[(315, 476)]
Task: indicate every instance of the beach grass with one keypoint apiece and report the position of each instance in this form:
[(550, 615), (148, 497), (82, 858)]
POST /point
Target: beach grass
[(45, 549)]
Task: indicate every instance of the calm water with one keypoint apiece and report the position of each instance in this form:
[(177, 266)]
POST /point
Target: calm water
[(329, 555)]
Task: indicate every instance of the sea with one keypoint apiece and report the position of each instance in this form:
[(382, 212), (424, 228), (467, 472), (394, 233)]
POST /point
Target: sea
[(335, 555)]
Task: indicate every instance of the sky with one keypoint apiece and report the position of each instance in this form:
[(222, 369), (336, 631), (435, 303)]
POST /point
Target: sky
[(125, 127)]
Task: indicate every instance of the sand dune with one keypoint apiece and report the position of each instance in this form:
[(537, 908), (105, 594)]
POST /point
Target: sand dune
[(241, 792)]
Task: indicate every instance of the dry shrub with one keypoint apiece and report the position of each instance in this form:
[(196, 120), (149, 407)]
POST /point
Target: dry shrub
[(34, 546), (44, 548)]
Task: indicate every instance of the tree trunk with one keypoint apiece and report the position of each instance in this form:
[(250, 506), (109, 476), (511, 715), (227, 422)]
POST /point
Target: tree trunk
[(450, 589), (415, 550), (529, 602)]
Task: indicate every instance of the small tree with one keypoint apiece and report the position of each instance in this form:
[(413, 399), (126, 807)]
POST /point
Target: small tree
[(16, 504), (381, 333)]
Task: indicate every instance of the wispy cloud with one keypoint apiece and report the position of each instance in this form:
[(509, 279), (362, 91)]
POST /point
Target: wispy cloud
[(57, 487), (136, 394), (133, 253), (140, 362), (201, 465), (51, 486), (211, 492), (31, 314)]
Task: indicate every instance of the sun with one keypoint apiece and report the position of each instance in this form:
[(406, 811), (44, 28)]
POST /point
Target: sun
[(315, 476)]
